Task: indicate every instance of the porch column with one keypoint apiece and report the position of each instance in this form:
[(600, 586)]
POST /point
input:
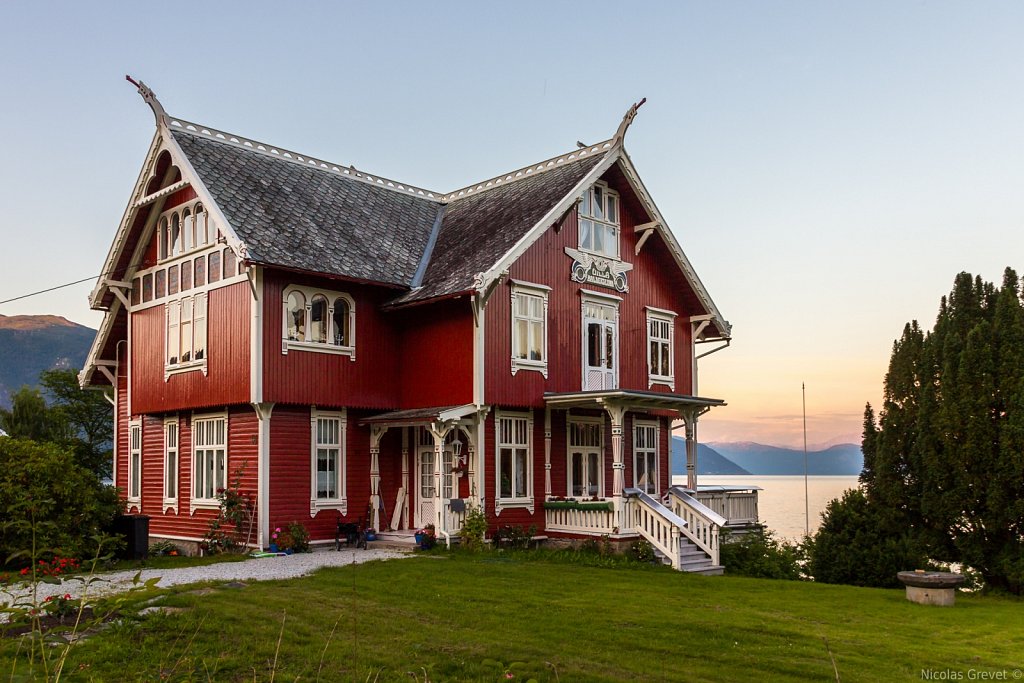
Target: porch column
[(440, 433), (547, 453), (263, 413), (405, 479), (617, 413), (691, 451), (376, 433)]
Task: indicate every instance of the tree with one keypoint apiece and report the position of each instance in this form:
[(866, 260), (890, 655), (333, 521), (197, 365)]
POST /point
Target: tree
[(75, 419), (946, 460), (88, 415)]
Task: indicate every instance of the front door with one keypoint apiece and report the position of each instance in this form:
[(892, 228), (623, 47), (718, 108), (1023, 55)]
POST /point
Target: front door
[(600, 346), (425, 483)]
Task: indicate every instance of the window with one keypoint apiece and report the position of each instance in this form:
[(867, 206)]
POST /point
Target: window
[(184, 229), (645, 457), (529, 328), (328, 460), (134, 462), (186, 334), (660, 366), (210, 459), (599, 221), (586, 459), (515, 485), (320, 321), (171, 462)]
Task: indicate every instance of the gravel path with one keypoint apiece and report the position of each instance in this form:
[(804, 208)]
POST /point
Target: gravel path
[(257, 569)]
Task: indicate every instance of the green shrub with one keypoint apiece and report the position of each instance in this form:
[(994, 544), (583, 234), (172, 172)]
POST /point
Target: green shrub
[(859, 545), (473, 529), (513, 536), (760, 555), (641, 551), (43, 491), (299, 537)]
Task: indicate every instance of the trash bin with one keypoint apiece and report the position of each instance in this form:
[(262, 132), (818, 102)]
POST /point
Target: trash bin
[(135, 530)]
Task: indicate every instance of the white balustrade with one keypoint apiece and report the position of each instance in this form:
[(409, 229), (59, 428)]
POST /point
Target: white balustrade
[(738, 506), (655, 522), (576, 521), (702, 523)]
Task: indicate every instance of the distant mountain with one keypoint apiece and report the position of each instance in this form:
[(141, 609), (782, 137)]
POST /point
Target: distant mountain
[(709, 461), (30, 344), (842, 459)]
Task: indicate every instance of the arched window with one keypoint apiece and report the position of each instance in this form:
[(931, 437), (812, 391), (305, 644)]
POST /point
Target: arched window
[(340, 331), (318, 319), (162, 250), (174, 246), (202, 237), (188, 231), (296, 320)]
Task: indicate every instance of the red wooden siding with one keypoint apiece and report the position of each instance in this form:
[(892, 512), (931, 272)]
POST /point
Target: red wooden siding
[(291, 471), (227, 381), (654, 281), (437, 355), (516, 516), (409, 358)]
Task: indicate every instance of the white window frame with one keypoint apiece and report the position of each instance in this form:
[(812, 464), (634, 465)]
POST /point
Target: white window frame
[(667, 318), (174, 334), (340, 501), (133, 486), (526, 500), (189, 238), (541, 292), (644, 452), (172, 445), (307, 344), (589, 421), (199, 454), (608, 301), (604, 222)]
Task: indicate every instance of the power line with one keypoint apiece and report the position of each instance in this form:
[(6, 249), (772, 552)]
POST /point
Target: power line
[(44, 291)]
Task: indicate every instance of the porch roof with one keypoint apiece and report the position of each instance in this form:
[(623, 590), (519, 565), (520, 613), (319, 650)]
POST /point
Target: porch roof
[(416, 416), (631, 400)]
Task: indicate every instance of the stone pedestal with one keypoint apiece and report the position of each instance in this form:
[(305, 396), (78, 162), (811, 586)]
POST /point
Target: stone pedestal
[(931, 588)]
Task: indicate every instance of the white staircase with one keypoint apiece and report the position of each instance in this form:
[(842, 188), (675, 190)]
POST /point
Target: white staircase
[(688, 541)]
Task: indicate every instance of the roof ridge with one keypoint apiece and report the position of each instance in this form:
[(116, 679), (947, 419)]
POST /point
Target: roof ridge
[(528, 171), (278, 152)]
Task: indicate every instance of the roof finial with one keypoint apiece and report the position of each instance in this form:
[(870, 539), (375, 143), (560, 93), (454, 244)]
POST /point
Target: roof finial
[(620, 134), (150, 98)]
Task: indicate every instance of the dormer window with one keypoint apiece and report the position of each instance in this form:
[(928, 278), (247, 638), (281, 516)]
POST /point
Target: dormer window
[(184, 229), (599, 221)]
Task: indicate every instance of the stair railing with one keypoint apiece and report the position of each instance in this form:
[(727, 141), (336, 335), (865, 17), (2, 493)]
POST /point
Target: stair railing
[(658, 524), (702, 523)]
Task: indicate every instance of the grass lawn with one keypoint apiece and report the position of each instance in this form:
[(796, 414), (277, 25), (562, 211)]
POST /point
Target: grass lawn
[(466, 617)]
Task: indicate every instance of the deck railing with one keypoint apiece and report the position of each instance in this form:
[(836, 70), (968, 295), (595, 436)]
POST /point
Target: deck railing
[(738, 506), (453, 521), (594, 522), (655, 522), (702, 523)]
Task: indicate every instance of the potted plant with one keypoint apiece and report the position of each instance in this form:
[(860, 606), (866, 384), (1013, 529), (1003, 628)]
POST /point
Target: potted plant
[(429, 538), (273, 540)]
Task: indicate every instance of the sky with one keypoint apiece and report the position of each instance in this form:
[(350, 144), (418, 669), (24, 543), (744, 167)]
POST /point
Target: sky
[(827, 167)]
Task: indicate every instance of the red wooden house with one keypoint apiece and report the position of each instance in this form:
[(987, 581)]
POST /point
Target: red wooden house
[(343, 344)]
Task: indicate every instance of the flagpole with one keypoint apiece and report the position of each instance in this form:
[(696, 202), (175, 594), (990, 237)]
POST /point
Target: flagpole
[(807, 506)]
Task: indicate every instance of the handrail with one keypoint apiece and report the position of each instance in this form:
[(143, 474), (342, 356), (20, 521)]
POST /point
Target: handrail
[(700, 507), (658, 524), (703, 522)]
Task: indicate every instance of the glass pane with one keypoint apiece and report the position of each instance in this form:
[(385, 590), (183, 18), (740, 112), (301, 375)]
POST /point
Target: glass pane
[(296, 316), (598, 203), (520, 465), (609, 336), (522, 334), (652, 470), (537, 342), (594, 345), (585, 204), (593, 475), (599, 238), (613, 210), (214, 270), (172, 474), (340, 323), (186, 276), (318, 320), (161, 237), (505, 472), (208, 492), (220, 470), (200, 271), (586, 234), (201, 236), (576, 475), (161, 283), (229, 263), (654, 357), (175, 244), (199, 328), (188, 231), (666, 364)]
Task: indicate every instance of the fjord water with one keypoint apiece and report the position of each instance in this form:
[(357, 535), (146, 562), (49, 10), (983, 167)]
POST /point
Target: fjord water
[(780, 503)]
